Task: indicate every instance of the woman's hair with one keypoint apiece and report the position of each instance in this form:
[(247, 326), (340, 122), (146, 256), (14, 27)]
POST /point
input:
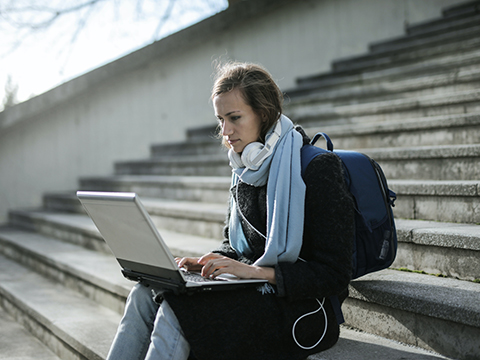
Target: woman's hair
[(257, 88)]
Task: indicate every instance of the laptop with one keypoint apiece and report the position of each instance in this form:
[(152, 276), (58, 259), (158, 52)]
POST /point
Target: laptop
[(139, 248)]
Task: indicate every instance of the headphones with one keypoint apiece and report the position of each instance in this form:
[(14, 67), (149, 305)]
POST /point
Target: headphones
[(255, 153)]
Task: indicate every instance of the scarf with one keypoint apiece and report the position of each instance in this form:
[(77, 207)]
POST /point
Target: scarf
[(285, 200)]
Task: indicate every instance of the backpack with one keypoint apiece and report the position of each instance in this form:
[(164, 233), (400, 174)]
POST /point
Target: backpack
[(375, 240)]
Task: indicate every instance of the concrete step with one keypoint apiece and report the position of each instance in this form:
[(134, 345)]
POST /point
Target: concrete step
[(195, 218), (95, 275), (431, 28), (76, 229), (459, 129), (350, 90), (79, 229), (197, 146), (442, 163), (462, 9), (411, 48), (438, 248), (428, 31), (445, 162), (413, 74), (188, 188), (189, 218), (65, 315), (63, 305), (437, 200), (450, 201), (455, 103), (358, 345), (195, 165), (16, 343), (434, 313), (73, 326)]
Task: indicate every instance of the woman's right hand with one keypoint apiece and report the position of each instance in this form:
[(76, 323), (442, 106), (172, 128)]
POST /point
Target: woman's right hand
[(189, 263)]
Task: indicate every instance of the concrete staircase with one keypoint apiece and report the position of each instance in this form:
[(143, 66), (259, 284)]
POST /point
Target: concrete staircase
[(411, 103)]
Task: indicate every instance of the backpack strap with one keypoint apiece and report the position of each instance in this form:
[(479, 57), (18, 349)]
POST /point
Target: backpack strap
[(337, 308), (308, 153)]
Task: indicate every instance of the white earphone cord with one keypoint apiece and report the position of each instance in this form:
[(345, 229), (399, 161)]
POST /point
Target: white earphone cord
[(305, 315), (240, 211)]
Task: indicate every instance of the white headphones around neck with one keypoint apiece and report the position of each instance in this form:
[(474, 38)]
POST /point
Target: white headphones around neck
[(255, 153)]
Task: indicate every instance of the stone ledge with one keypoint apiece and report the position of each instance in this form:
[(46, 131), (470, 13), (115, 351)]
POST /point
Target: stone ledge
[(17, 343), (406, 107), (202, 182), (389, 52), (436, 187), (35, 301), (425, 152), (359, 345), (430, 67), (447, 299), (442, 234)]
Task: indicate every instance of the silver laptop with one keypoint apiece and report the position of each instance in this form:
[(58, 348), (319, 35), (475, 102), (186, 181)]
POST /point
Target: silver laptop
[(140, 250)]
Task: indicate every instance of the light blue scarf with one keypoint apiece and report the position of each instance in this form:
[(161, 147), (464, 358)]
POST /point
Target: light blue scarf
[(285, 200)]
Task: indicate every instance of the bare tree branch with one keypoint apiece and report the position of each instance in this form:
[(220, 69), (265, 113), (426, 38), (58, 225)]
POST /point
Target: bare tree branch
[(164, 18), (11, 91), (53, 13)]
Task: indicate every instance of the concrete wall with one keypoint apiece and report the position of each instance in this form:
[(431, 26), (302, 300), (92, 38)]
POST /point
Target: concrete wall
[(151, 96)]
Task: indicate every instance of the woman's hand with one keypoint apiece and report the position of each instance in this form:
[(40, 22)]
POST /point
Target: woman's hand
[(215, 264), (189, 263)]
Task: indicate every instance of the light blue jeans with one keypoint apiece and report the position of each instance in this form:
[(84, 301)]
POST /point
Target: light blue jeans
[(148, 331)]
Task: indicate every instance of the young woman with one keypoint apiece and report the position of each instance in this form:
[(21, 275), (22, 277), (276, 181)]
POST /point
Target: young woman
[(296, 232)]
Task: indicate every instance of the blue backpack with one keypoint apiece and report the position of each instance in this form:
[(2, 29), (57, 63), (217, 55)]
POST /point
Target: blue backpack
[(375, 241)]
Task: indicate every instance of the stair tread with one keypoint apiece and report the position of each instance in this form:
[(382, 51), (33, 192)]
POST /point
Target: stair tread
[(412, 42), (358, 345), (441, 24), (93, 263), (411, 152), (78, 314), (434, 66), (392, 288), (16, 343), (89, 265), (424, 123), (445, 298), (396, 104), (81, 222), (428, 151), (212, 182), (425, 289), (80, 322), (181, 160), (444, 231), (453, 235), (411, 51), (154, 206)]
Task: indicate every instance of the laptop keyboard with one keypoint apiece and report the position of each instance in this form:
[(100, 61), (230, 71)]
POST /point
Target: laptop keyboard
[(195, 277)]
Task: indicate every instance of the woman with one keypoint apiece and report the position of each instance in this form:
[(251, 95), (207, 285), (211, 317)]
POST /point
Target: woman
[(294, 232)]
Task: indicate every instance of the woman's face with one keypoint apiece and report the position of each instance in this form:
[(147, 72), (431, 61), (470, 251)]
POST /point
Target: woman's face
[(240, 124)]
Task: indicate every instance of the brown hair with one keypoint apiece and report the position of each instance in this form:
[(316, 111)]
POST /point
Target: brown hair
[(257, 87)]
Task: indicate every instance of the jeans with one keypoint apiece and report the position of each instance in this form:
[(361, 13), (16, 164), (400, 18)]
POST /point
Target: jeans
[(148, 331)]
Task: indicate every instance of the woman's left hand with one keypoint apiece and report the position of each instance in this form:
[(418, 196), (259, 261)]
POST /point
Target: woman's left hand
[(215, 264)]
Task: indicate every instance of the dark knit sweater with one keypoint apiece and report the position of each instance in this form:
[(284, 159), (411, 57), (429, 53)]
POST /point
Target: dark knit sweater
[(244, 324)]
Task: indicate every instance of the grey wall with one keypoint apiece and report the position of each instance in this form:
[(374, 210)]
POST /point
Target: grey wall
[(153, 95)]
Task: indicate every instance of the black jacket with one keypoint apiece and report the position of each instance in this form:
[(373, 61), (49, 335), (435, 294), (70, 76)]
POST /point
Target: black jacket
[(244, 324)]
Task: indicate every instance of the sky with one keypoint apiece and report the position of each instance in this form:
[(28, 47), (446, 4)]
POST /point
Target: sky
[(46, 58)]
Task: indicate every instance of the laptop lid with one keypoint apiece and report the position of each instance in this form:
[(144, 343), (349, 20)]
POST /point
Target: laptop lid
[(136, 243)]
